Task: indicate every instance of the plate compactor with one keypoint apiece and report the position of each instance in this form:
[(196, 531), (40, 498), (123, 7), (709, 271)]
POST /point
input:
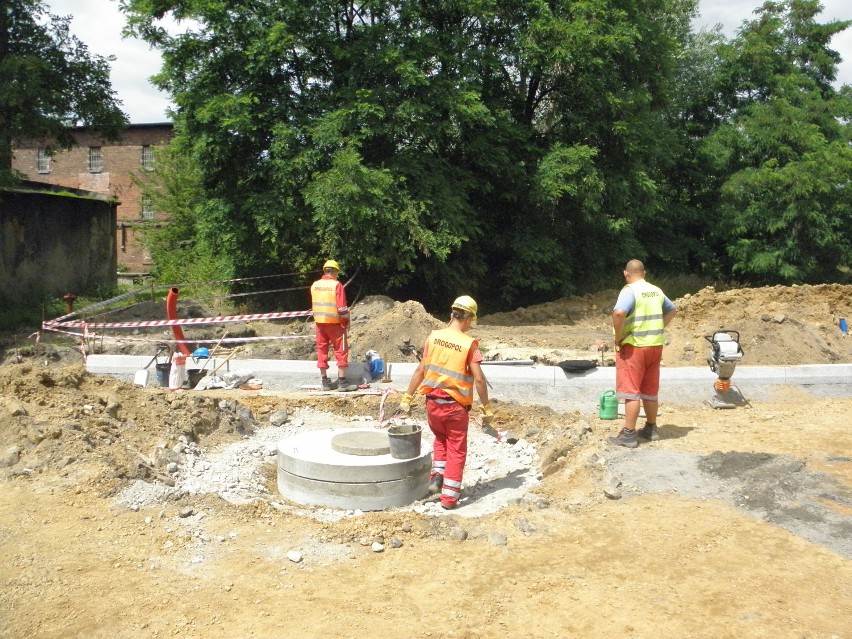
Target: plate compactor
[(725, 353)]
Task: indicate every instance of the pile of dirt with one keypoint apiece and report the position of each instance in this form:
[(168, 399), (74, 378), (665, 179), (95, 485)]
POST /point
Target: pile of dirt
[(55, 415), (590, 310), (104, 436), (777, 325), (380, 324)]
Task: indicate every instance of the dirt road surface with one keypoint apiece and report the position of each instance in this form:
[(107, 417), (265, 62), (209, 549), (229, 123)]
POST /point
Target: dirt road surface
[(737, 523)]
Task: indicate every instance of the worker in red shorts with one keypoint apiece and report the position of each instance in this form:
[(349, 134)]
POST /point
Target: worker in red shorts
[(447, 374), (639, 319)]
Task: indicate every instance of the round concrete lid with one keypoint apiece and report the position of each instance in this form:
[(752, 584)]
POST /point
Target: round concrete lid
[(361, 442)]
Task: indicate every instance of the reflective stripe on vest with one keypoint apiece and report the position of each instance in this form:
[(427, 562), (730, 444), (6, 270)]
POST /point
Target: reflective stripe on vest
[(324, 302), (644, 326), (445, 365)]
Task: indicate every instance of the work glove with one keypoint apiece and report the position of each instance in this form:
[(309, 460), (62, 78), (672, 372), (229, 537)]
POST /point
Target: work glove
[(486, 414), (405, 404)]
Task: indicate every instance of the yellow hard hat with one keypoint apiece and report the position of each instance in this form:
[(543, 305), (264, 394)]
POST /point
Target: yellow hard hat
[(331, 264), (467, 304)]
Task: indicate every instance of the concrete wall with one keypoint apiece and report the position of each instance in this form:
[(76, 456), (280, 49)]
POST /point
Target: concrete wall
[(122, 159), (52, 243)]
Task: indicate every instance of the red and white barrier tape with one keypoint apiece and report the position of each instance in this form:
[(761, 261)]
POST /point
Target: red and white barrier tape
[(87, 335), (191, 321), (385, 394)]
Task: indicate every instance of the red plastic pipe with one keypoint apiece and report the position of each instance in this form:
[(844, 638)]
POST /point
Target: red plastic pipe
[(171, 313)]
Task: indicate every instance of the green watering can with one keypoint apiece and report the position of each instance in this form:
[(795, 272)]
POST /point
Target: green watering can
[(608, 405)]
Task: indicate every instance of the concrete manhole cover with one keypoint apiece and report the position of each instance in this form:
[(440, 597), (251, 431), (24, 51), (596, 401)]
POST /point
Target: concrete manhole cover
[(361, 443)]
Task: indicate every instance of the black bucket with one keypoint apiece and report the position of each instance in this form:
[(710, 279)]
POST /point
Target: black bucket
[(194, 375), (404, 441), (163, 373)]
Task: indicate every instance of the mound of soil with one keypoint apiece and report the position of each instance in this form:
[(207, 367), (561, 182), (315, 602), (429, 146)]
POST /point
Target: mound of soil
[(777, 326)]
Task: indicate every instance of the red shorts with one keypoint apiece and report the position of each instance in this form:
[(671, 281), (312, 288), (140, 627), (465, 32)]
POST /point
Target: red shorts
[(637, 372)]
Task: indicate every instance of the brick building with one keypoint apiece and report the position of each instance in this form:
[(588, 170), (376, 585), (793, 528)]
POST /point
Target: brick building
[(105, 167)]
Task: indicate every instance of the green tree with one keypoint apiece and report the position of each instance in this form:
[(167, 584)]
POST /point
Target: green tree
[(181, 248), (784, 153), (508, 148), (48, 81), (678, 239), (604, 75)]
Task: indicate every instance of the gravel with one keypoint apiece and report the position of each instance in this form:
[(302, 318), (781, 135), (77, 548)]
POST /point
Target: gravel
[(496, 473)]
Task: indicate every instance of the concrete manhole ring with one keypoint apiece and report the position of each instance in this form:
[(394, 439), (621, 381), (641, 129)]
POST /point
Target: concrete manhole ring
[(321, 468)]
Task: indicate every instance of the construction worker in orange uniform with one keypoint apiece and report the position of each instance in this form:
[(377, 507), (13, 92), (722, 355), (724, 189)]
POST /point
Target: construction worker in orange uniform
[(447, 374), (331, 316)]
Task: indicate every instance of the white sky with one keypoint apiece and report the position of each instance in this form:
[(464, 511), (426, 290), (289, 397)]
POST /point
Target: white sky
[(98, 23)]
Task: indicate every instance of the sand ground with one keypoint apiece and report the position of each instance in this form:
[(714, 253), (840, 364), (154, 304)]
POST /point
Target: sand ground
[(737, 523)]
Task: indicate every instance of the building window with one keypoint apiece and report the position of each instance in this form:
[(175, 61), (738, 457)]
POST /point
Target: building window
[(43, 160), (148, 157), (147, 208), (96, 162)]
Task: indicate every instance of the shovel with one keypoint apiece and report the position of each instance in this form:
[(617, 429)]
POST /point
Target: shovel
[(213, 353), (202, 383), (142, 376)]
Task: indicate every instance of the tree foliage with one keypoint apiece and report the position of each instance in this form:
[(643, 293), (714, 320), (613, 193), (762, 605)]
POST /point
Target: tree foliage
[(181, 248), (784, 150), (511, 150), (48, 81), (480, 145)]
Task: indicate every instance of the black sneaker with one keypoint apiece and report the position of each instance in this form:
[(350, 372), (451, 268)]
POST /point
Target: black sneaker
[(649, 432), (436, 483), (344, 386), (626, 438), (327, 384)]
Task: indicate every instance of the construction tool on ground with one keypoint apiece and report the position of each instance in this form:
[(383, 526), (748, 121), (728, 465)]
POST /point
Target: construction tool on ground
[(603, 347), (408, 348), (485, 424), (386, 379), (225, 361), (213, 352), (142, 376), (725, 354)]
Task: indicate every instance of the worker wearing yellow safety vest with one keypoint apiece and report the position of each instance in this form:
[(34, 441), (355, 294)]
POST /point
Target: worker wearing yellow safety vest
[(639, 318), (331, 316), (447, 375)]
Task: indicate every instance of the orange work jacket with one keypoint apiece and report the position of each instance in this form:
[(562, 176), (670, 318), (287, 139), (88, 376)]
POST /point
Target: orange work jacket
[(445, 365), (324, 302)]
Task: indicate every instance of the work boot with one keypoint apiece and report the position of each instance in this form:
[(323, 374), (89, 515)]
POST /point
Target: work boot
[(436, 482), (344, 386), (649, 432), (626, 438), (327, 384)]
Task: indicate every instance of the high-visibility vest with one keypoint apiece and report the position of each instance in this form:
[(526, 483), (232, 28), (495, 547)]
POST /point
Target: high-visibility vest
[(324, 301), (445, 365), (644, 326)]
